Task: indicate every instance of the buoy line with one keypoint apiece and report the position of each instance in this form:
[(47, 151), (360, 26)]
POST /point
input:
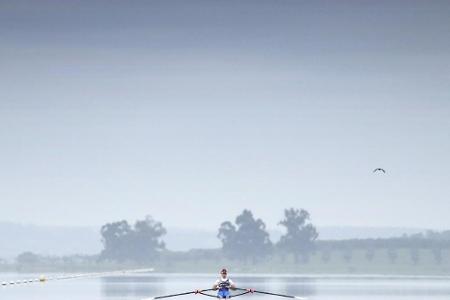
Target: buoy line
[(43, 278)]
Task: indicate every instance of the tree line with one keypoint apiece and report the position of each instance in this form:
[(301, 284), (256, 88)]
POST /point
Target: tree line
[(247, 240), (140, 242)]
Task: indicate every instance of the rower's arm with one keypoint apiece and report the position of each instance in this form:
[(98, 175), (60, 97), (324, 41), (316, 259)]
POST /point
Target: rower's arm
[(215, 286), (232, 285)]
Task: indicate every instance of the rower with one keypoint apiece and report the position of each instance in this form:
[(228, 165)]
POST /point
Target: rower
[(223, 285)]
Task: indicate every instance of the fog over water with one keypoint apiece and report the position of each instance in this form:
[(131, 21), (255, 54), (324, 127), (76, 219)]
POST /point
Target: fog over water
[(193, 111)]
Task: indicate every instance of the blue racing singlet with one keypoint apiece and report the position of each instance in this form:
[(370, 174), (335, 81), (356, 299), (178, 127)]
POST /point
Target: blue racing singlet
[(224, 288)]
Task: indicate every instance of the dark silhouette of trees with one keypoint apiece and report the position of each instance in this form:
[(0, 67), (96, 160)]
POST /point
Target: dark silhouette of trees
[(438, 236), (300, 234), (27, 258), (392, 255), (437, 255), (415, 255), (228, 235), (246, 239), (114, 239), (370, 254), (326, 255), (140, 243), (347, 254)]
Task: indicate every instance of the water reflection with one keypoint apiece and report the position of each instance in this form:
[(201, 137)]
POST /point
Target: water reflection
[(133, 287), (285, 285), (137, 286), (143, 286)]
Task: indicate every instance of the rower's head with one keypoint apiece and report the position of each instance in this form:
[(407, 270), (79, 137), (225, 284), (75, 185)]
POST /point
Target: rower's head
[(223, 273)]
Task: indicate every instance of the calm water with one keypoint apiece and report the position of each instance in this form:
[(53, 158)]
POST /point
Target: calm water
[(135, 287)]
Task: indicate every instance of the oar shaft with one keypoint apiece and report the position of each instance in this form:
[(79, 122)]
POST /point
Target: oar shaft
[(274, 294), (180, 294), (269, 293), (173, 295)]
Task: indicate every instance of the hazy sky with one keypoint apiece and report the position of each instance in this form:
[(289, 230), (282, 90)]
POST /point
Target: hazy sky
[(191, 111)]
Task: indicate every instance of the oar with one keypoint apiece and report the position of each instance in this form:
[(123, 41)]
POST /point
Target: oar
[(176, 295), (274, 294)]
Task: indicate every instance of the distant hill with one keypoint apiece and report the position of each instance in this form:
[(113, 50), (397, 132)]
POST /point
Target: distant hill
[(49, 240), (62, 240)]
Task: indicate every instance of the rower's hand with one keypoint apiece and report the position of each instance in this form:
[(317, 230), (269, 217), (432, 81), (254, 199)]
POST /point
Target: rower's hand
[(250, 290)]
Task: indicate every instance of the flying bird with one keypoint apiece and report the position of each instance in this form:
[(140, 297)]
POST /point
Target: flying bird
[(379, 170)]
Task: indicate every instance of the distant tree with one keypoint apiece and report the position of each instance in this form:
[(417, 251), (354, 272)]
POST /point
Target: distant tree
[(116, 237), (416, 236), (347, 254), (326, 255), (437, 254), (370, 254), (27, 258), (147, 235), (415, 255), (228, 235), (392, 255), (247, 239), (300, 234), (141, 243), (438, 236)]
